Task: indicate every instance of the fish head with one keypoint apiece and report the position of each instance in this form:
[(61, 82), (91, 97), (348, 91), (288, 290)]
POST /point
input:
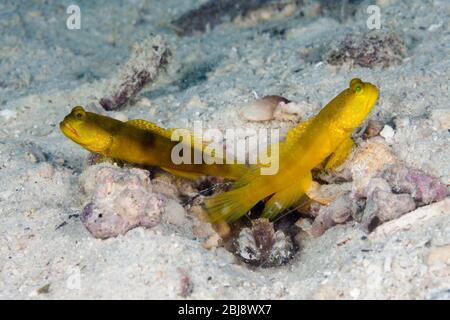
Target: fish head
[(359, 99), (86, 129)]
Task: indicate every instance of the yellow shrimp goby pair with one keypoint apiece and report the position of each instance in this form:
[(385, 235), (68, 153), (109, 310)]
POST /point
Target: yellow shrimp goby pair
[(324, 138), (139, 142)]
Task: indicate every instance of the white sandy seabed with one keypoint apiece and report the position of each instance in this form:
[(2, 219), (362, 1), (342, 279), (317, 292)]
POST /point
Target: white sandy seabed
[(45, 251)]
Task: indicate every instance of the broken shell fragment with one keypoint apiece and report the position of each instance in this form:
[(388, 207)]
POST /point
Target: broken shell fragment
[(291, 111), (373, 129), (262, 109)]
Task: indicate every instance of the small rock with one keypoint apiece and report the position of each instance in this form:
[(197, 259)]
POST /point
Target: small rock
[(388, 134), (376, 183), (339, 211), (310, 209), (120, 199), (373, 129), (368, 161), (304, 233), (202, 228), (44, 289), (304, 224), (175, 214), (262, 109), (358, 204), (413, 220), (222, 228), (382, 206), (322, 223), (212, 242), (423, 187)]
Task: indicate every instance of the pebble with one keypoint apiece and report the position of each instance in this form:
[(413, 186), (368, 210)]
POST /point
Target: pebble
[(338, 211), (175, 214), (376, 184), (382, 206), (388, 134), (212, 242), (120, 199), (202, 228), (424, 188), (373, 129)]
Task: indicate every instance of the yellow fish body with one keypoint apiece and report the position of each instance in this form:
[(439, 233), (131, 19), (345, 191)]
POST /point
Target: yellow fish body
[(325, 138), (138, 142)]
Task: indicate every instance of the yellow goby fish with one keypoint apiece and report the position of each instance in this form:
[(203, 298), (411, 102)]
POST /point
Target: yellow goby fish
[(324, 138), (139, 142)]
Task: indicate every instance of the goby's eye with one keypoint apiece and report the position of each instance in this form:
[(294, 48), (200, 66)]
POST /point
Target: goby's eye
[(79, 112), (356, 85)]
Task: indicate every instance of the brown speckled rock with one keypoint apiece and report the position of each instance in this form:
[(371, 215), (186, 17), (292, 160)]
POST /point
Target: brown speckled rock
[(120, 199)]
